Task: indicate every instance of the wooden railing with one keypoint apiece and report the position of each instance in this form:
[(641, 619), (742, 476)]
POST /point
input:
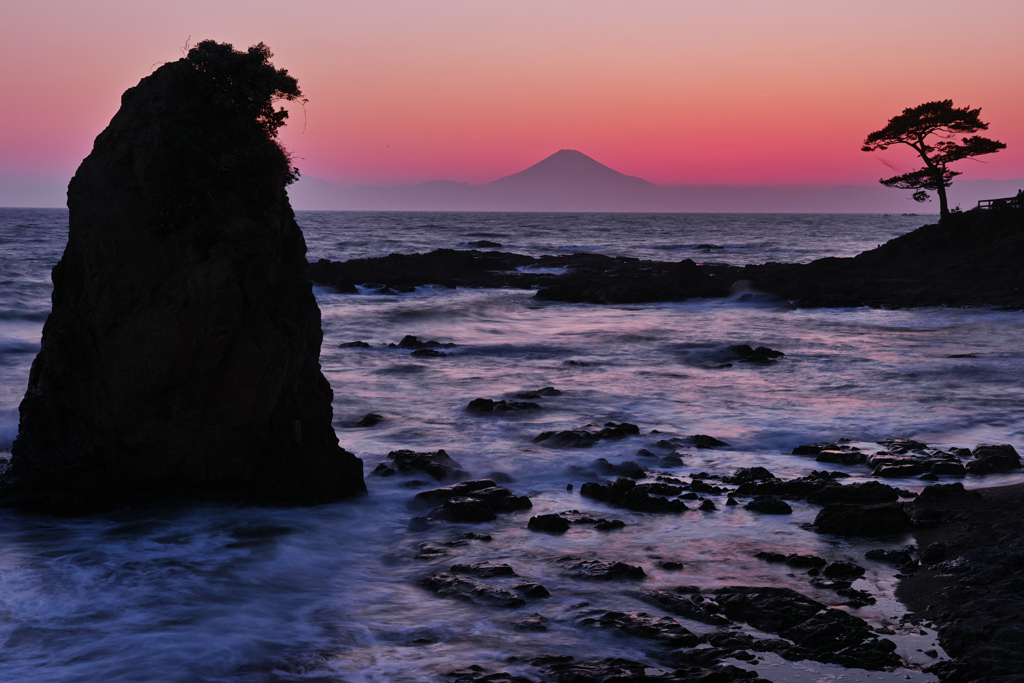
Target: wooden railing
[(1004, 203)]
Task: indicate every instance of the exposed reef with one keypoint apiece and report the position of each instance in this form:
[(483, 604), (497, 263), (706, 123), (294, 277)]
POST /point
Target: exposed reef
[(181, 357), (970, 259)]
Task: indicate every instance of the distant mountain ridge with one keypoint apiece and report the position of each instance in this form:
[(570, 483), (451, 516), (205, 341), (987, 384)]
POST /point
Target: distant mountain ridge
[(569, 180)]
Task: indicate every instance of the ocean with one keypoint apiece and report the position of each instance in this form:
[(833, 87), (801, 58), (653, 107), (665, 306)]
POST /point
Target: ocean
[(330, 593)]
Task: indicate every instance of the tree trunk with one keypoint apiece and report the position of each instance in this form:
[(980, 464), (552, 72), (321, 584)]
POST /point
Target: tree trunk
[(943, 204)]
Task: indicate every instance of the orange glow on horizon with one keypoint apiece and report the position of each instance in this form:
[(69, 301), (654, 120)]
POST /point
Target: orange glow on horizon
[(733, 92)]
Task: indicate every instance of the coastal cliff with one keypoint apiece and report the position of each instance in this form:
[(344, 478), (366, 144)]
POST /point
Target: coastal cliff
[(181, 357)]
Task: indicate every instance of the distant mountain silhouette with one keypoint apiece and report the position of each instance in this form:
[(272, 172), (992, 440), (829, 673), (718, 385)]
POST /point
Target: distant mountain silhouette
[(569, 171), (569, 180)]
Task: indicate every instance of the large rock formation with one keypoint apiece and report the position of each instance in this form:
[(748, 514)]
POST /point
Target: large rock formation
[(181, 358)]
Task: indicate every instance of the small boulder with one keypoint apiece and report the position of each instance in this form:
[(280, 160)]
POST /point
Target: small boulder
[(552, 524), (870, 521), (768, 505)]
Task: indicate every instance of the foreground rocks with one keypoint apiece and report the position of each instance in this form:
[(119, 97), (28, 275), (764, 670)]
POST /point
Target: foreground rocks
[(181, 357), (971, 584)]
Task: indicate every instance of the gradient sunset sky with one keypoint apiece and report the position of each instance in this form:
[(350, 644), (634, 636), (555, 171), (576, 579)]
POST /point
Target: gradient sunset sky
[(677, 92)]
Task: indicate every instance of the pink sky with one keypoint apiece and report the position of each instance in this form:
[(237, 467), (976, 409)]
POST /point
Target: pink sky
[(677, 92)]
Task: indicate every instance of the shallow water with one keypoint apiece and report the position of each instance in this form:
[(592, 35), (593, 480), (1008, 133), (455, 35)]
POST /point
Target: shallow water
[(217, 593)]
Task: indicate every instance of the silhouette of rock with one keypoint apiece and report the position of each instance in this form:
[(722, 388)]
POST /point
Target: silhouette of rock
[(181, 358)]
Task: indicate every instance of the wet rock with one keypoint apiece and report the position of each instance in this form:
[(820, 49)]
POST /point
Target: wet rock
[(866, 493), (462, 587), (483, 244), (428, 353), (868, 521), (846, 571), (595, 570), (906, 469), (935, 552), (660, 489), (609, 525), (462, 510), (700, 486), (574, 438), (354, 345), (792, 489), (411, 342), (704, 441), (486, 405), (535, 623), (483, 570), (382, 470), (433, 497), (767, 505), (941, 494), (370, 419), (841, 457), (664, 630), (793, 560), (814, 448), (628, 469), (626, 494), (748, 475), (670, 565), (552, 524), (690, 605), (897, 558), (732, 501), (418, 524), (545, 392), (438, 464), (707, 506), (534, 591), (993, 458), (746, 354), (670, 461)]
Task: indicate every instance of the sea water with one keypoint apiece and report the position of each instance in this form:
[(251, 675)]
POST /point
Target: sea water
[(223, 593)]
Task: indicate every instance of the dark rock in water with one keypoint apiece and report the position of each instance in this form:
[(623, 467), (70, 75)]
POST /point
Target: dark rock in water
[(793, 560), (841, 457), (708, 246), (747, 475), (865, 493), (532, 590), (382, 470), (552, 524), (899, 558), (583, 438), (626, 494), (535, 623), (609, 525), (767, 505), (484, 570), (370, 419), (462, 510), (412, 342), (994, 458), (464, 588), (486, 405), (762, 354), (438, 465), (846, 571), (354, 345), (181, 356), (483, 244), (628, 469), (428, 353), (732, 501), (814, 448), (943, 493), (691, 606), (670, 565), (869, 521), (705, 441), (909, 469), (707, 506), (539, 393), (947, 467), (664, 630), (428, 499), (595, 570), (417, 524)]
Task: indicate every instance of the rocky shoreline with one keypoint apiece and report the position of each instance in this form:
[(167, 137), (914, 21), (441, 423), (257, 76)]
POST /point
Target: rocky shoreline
[(971, 585), (972, 259)]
